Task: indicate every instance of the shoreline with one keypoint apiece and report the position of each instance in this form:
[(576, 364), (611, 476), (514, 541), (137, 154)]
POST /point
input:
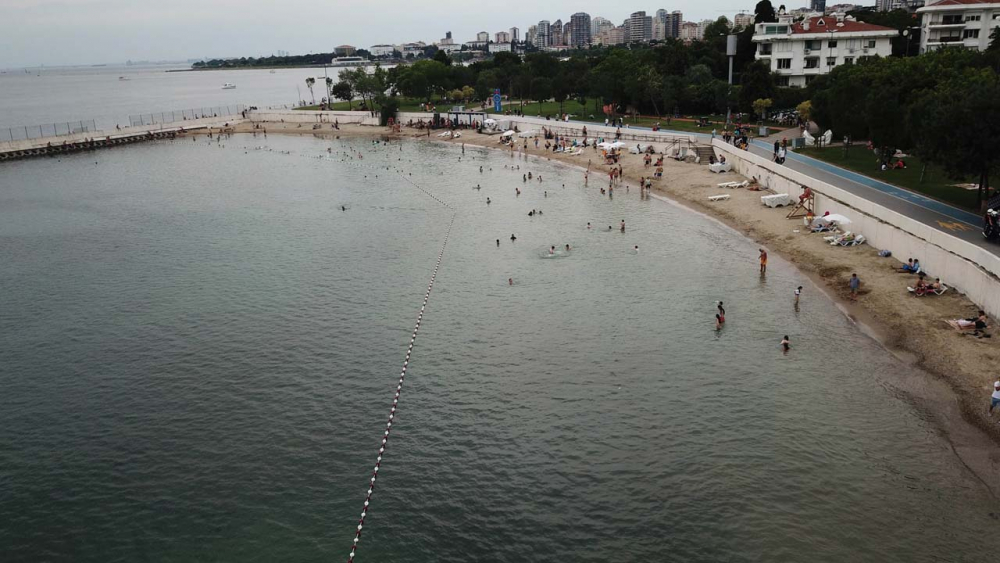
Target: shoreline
[(953, 386)]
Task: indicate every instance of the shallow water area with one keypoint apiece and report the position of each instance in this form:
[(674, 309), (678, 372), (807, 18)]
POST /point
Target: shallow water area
[(200, 342)]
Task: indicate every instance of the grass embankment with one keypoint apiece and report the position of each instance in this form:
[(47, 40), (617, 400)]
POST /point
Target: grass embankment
[(591, 111), (936, 183)]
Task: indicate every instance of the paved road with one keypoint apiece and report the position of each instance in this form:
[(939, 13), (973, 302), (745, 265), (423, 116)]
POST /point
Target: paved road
[(941, 216)]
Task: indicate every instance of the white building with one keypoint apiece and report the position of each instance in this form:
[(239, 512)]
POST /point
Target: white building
[(515, 34), (500, 47), (482, 37), (796, 52), (449, 47), (959, 23), (381, 50), (501, 37)]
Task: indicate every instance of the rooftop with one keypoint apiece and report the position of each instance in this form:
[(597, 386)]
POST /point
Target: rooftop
[(822, 24), (960, 2)]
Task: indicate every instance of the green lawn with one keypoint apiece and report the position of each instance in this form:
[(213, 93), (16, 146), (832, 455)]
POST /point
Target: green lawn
[(936, 183)]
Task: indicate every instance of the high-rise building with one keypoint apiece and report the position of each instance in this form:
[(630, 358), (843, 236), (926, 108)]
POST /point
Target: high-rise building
[(542, 35), (661, 14), (482, 37), (556, 33), (744, 20), (616, 35), (599, 25), (659, 29), (674, 24), (531, 36), (818, 5), (501, 37), (640, 27), (515, 34), (579, 30), (690, 31)]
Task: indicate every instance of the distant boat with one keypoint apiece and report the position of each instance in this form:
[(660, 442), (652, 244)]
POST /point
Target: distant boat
[(228, 86), (272, 72), (123, 78), (349, 61)]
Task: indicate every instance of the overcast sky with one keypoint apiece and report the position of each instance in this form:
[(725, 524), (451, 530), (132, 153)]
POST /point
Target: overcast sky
[(55, 32)]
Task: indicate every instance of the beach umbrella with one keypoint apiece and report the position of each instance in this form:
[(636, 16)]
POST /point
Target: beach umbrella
[(837, 218), (508, 133)]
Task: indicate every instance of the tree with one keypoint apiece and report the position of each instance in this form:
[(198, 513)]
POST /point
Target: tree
[(541, 89), (309, 84), (343, 91), (805, 111), (468, 93), (456, 95), (442, 57), (329, 83), (958, 121), (756, 82), (763, 12), (760, 107)]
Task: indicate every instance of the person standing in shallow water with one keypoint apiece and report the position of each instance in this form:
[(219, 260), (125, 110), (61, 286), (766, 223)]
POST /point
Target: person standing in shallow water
[(763, 260), (786, 344)]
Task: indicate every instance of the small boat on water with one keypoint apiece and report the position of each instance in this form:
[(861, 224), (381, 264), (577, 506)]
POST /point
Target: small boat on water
[(272, 72), (123, 78), (228, 86)]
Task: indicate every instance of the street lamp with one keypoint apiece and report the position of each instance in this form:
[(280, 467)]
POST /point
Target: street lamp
[(730, 52)]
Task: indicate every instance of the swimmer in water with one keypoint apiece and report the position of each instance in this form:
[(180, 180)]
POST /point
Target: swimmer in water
[(636, 248), (722, 311), (552, 250), (588, 226), (786, 344), (487, 201), (343, 208), (498, 243), (510, 281), (623, 225), (512, 237), (609, 228), (480, 169), (718, 322), (567, 248), (546, 194)]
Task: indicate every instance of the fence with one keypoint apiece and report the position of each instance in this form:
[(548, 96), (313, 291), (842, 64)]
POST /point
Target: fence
[(47, 130), (183, 115)]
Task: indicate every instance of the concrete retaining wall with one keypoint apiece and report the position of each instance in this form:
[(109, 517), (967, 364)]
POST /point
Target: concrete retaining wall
[(972, 270)]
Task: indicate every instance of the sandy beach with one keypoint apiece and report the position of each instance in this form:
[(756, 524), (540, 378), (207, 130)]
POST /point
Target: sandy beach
[(914, 329)]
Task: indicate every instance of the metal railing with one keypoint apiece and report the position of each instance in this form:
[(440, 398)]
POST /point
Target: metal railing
[(162, 117), (48, 130)]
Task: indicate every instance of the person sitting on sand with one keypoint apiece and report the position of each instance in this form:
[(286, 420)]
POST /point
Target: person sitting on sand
[(908, 267)]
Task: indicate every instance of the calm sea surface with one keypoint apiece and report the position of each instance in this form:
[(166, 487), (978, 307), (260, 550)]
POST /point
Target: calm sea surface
[(198, 349), (44, 96)]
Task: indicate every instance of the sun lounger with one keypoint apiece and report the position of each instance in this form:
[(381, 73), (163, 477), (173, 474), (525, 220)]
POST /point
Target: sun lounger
[(963, 325), (928, 290), (722, 197), (720, 167)]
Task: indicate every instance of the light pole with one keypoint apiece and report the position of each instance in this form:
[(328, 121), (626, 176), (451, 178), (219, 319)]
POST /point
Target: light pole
[(730, 52)]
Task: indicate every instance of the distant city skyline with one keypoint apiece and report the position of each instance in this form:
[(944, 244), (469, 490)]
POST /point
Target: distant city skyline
[(112, 31)]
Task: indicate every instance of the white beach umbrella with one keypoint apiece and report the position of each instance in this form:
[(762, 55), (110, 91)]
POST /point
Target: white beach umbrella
[(837, 218), (508, 133), (489, 122)]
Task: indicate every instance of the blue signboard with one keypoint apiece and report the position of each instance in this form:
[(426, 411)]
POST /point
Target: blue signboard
[(496, 100)]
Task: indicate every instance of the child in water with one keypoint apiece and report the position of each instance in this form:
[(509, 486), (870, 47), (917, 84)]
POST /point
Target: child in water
[(786, 343)]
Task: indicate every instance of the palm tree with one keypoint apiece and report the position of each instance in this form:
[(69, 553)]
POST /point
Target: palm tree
[(309, 84), (329, 100)]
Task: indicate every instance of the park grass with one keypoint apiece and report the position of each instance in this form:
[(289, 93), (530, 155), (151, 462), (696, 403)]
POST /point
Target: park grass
[(936, 183)]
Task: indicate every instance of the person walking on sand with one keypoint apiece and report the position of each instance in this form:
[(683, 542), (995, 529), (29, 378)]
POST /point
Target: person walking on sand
[(995, 399), (854, 284), (763, 260)]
